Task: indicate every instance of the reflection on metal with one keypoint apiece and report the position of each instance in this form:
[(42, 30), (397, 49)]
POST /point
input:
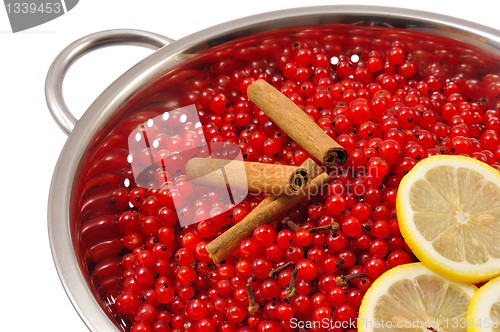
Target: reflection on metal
[(374, 24)]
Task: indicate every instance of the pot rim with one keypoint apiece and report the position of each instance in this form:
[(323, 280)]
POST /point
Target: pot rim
[(134, 79)]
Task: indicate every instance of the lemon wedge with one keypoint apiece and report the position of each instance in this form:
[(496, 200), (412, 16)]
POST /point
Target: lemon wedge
[(411, 297), (484, 308), (448, 209)]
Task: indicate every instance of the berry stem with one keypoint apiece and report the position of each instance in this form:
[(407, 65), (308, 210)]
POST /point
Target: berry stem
[(333, 227), (291, 290), (253, 307), (344, 280), (274, 272), (290, 223)]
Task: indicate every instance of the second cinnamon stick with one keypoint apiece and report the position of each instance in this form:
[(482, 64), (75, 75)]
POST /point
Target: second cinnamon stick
[(296, 123), (266, 212), (251, 176)]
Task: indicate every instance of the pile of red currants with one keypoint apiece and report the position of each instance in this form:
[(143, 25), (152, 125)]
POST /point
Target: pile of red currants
[(389, 101)]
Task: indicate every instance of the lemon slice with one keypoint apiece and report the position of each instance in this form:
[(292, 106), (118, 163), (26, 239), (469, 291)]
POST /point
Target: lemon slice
[(484, 309), (448, 210), (410, 298)]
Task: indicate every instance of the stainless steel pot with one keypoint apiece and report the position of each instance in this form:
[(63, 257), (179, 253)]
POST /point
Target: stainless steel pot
[(123, 100)]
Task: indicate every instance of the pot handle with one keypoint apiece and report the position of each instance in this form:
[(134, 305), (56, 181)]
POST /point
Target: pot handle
[(54, 80)]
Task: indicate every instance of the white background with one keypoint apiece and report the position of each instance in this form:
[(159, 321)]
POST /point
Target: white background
[(30, 292)]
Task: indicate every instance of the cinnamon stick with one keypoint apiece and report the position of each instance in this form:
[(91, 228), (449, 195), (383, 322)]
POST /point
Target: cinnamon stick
[(251, 176), (296, 123), (266, 212)]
